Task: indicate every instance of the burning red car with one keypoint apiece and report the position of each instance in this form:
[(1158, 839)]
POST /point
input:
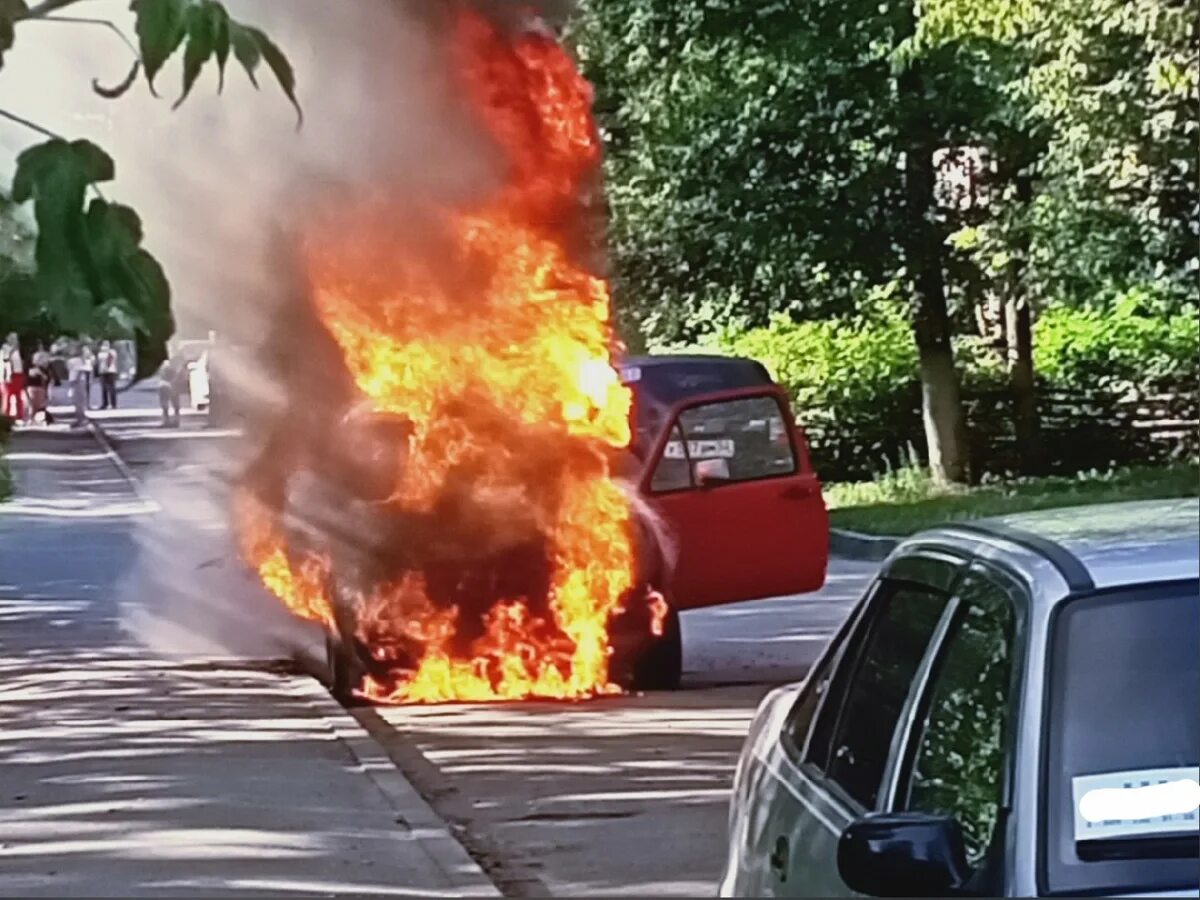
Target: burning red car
[(459, 486)]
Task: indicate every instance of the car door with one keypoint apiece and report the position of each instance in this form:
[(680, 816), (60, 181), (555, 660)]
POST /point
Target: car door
[(829, 765), (730, 476)]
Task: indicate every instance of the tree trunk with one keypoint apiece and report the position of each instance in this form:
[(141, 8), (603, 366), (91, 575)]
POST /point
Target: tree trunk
[(941, 402), (1018, 320)]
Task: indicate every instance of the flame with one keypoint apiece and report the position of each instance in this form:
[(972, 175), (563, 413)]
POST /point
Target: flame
[(658, 613), (490, 335), (263, 546)]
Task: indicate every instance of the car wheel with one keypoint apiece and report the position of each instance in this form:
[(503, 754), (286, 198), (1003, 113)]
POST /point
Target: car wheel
[(659, 667)]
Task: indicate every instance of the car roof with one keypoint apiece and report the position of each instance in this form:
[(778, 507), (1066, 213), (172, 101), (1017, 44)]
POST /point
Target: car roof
[(667, 359), (1102, 546)]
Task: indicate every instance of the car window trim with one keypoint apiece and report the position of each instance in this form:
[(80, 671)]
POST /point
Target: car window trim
[(857, 637), (833, 649), (917, 701), (961, 564), (1020, 602), (818, 772)]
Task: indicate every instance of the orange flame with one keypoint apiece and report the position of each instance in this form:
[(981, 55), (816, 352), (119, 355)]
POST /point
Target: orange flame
[(262, 545), (497, 348)]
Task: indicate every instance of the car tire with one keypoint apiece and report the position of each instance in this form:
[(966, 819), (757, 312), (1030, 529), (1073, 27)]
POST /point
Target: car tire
[(659, 667)]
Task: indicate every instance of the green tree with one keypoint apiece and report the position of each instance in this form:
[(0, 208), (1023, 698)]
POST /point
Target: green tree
[(779, 157), (1096, 153), (90, 266)]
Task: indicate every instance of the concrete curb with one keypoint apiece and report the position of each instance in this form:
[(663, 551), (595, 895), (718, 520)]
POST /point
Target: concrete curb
[(110, 451), (854, 545), (464, 875)]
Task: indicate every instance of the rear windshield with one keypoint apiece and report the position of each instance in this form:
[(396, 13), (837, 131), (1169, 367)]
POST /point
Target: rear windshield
[(659, 386), (1124, 716)]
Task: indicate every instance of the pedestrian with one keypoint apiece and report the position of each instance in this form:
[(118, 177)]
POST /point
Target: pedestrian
[(106, 367), (38, 379), (5, 372), (78, 371), (171, 376), (89, 362), (14, 396)]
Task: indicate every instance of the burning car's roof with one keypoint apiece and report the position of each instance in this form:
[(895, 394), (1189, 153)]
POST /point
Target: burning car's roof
[(665, 380)]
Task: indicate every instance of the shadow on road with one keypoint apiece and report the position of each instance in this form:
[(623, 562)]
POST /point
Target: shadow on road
[(618, 796)]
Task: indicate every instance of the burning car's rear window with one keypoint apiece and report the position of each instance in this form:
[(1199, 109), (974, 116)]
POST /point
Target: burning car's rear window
[(660, 384), (666, 383)]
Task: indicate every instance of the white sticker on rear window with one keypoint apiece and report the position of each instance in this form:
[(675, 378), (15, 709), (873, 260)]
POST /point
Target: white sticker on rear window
[(697, 450), (631, 374), (1136, 803)]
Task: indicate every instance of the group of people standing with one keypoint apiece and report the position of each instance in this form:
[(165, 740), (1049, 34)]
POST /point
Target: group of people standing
[(25, 386)]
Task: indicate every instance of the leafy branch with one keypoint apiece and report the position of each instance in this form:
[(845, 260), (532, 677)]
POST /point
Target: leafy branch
[(91, 266)]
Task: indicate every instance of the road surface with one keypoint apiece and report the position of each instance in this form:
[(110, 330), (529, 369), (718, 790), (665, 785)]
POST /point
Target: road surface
[(620, 796)]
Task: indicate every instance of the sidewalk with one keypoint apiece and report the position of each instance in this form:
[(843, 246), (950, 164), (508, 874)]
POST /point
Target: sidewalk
[(126, 772)]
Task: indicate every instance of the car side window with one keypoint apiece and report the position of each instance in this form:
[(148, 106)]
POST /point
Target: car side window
[(672, 472), (815, 688), (958, 765), (730, 440), (852, 737)]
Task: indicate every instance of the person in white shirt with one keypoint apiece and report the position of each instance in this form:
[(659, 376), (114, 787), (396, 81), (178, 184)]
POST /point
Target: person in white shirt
[(106, 366), (89, 361), (78, 374)]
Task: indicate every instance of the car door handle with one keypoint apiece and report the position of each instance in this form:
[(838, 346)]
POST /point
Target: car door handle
[(779, 858), (799, 491)]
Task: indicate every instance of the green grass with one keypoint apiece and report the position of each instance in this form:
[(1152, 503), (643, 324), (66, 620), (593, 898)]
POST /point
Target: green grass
[(907, 500)]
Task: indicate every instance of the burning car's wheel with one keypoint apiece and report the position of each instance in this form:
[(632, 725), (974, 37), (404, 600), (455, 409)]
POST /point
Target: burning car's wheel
[(642, 661), (660, 665)]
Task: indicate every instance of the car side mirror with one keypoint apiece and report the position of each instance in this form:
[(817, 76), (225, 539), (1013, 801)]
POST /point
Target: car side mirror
[(903, 855), (708, 472)]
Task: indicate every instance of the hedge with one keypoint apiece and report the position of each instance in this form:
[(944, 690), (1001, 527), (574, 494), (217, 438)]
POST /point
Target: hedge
[(855, 386)]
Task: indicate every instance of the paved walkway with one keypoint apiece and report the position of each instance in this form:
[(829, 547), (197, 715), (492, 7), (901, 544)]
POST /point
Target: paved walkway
[(130, 771)]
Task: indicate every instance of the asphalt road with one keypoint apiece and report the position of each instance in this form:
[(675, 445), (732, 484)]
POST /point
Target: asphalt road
[(616, 797), (619, 796)]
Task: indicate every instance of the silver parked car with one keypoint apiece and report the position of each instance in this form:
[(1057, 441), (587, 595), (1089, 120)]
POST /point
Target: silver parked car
[(1012, 709)]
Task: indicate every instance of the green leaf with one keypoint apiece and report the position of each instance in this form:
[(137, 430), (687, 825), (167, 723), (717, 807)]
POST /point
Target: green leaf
[(10, 12), (279, 65), (222, 41), (201, 44), (160, 30), (245, 50), (91, 267)]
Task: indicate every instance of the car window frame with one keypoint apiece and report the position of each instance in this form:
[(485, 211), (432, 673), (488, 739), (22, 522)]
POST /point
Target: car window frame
[(800, 462), (1019, 598), (831, 654), (899, 571)]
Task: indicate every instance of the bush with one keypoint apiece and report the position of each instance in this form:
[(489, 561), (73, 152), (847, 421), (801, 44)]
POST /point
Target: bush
[(1138, 340), (853, 383), (855, 386)]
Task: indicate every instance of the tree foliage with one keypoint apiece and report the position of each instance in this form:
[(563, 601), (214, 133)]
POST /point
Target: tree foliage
[(754, 148), (92, 272), (1111, 98), (750, 168)]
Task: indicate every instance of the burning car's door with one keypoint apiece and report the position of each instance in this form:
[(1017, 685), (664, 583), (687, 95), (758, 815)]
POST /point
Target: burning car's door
[(732, 478)]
